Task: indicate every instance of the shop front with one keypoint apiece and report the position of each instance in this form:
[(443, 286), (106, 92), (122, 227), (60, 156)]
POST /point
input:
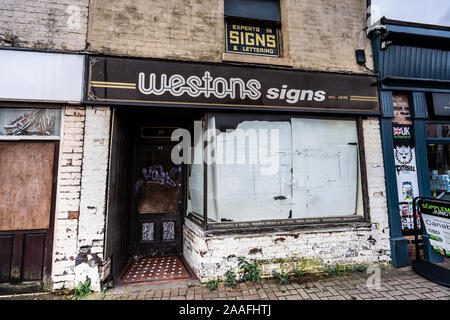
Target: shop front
[(213, 162), (413, 63), (32, 109)]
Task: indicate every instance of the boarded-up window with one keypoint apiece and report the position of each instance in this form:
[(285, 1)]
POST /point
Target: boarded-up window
[(30, 122), (280, 168), (26, 171)]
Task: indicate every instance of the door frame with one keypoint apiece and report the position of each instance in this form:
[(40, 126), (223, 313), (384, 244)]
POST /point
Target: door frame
[(17, 244)]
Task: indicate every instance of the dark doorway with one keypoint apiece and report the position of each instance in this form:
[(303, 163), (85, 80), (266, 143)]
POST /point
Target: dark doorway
[(158, 197), (146, 190)]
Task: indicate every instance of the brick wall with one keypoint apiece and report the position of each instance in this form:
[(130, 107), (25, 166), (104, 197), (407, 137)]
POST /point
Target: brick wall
[(177, 29), (401, 108), (91, 227), (81, 204), (318, 35), (68, 200), (44, 24), (211, 256), (325, 34)]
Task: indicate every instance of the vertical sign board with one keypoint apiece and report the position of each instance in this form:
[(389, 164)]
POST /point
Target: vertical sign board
[(406, 173), (436, 219), (247, 39)]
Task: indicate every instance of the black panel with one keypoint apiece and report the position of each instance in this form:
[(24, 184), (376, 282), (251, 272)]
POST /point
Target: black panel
[(253, 9), (33, 257), (5, 257)]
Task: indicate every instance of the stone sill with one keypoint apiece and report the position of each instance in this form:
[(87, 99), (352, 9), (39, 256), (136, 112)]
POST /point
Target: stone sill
[(246, 58), (272, 230)]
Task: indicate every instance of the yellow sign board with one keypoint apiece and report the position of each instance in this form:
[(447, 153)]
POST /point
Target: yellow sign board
[(259, 40)]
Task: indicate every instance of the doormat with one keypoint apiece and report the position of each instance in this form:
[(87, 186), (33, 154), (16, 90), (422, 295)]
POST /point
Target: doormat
[(152, 270)]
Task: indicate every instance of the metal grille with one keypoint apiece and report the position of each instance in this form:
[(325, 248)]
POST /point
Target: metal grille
[(169, 230), (148, 231)]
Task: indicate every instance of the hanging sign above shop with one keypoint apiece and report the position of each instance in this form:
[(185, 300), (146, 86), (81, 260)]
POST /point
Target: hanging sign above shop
[(149, 82), (441, 104), (247, 39)]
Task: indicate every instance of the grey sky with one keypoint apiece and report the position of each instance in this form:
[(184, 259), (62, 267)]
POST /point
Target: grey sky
[(423, 11)]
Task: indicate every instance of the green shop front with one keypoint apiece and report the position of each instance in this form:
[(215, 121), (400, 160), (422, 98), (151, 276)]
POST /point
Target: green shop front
[(413, 63)]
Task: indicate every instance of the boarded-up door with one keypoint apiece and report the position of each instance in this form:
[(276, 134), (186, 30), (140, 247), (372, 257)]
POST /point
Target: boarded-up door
[(27, 184)]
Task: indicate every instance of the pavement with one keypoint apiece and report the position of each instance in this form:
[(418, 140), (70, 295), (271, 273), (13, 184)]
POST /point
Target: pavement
[(381, 284)]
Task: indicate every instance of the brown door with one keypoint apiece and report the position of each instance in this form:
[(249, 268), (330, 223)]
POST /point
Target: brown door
[(158, 193), (27, 191)]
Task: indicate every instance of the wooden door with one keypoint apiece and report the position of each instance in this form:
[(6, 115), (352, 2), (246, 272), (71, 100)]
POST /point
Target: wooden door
[(27, 197), (158, 193)]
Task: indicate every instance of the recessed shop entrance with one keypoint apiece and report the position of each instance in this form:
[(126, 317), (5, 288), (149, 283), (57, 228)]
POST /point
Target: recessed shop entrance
[(158, 198), (146, 192)]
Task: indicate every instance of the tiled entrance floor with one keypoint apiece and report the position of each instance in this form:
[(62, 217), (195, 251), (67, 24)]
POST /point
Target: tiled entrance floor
[(156, 270)]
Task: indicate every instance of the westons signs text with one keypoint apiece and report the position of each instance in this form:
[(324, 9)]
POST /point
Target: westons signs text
[(140, 81)]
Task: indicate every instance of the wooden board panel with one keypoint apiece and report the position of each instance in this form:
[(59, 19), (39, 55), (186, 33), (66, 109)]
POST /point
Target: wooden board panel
[(5, 257), (33, 257), (26, 171)]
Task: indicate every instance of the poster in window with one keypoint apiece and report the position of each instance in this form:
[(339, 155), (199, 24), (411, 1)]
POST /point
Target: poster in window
[(406, 173)]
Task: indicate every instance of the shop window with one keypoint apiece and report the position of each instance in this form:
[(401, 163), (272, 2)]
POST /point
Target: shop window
[(438, 130), (253, 27), (30, 122), (439, 166), (267, 169), (438, 144)]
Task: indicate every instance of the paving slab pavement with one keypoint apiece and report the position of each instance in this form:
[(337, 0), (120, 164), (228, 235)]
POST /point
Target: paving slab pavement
[(384, 284)]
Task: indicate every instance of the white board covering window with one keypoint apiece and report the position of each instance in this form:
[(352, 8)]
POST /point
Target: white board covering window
[(250, 179), (325, 168), (281, 168)]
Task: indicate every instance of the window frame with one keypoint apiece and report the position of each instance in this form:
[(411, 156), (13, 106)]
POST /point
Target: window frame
[(296, 223), (255, 19), (435, 141), (260, 22), (61, 108)]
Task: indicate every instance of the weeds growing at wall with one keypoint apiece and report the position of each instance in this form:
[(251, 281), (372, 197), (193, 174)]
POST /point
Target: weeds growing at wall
[(283, 277), (250, 271), (82, 290), (230, 279), (212, 285), (341, 270)]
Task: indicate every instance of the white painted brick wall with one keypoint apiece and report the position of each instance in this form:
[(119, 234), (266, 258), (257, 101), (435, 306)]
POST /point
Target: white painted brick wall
[(212, 256), (91, 228), (44, 24), (68, 199)]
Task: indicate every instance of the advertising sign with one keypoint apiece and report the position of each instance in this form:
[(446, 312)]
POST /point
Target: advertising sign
[(248, 39), (148, 82), (436, 220), (406, 173)]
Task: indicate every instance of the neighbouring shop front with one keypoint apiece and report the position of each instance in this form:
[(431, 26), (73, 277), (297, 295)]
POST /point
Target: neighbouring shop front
[(212, 162), (413, 62), (31, 126)]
